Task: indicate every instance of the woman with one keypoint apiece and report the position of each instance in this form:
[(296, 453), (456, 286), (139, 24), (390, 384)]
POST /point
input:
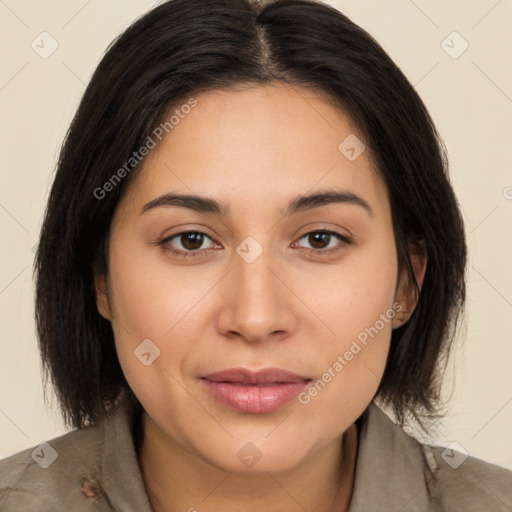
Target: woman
[(251, 239)]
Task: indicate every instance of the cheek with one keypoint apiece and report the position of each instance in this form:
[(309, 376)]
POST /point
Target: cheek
[(358, 307), (152, 300), (147, 301), (150, 297), (355, 292)]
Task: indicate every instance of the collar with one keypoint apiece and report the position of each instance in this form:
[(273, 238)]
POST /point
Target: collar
[(390, 466), (122, 480)]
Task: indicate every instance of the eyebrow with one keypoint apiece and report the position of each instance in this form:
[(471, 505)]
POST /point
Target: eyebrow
[(298, 204)]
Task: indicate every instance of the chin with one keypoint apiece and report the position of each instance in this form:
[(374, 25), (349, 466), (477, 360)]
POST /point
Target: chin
[(255, 457)]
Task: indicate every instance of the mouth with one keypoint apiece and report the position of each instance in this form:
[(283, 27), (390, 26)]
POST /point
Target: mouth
[(257, 392)]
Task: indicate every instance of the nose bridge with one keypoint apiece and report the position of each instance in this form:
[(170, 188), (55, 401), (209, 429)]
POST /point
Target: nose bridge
[(258, 303)]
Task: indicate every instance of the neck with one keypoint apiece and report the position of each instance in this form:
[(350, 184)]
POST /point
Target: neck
[(178, 480)]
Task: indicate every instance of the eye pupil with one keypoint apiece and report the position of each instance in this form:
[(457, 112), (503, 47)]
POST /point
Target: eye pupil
[(196, 240)]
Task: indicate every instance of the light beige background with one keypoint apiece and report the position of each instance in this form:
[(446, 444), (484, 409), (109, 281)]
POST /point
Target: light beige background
[(469, 97)]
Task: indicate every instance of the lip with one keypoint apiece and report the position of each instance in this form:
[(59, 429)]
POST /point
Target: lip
[(255, 392)]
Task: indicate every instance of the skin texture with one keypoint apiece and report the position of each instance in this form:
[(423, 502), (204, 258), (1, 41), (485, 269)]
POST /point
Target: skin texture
[(254, 149)]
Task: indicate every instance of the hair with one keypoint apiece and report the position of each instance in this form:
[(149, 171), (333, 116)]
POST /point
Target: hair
[(185, 47)]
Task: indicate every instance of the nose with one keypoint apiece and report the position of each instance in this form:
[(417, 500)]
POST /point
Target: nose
[(257, 303)]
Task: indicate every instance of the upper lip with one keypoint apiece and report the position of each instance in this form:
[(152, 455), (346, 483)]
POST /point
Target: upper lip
[(265, 376)]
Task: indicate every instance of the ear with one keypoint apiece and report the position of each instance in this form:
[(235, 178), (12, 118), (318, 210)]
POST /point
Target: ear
[(102, 299), (407, 294)]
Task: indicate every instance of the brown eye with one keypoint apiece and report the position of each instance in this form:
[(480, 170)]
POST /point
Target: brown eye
[(186, 243), (319, 239), (192, 241), (323, 241)]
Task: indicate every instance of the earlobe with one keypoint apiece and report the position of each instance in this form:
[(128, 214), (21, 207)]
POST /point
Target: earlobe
[(102, 300), (408, 294)]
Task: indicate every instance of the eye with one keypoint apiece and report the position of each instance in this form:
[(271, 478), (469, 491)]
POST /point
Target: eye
[(190, 243), (321, 241)]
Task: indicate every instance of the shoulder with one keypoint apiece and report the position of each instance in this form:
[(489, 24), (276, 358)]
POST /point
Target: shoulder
[(459, 481), (399, 472), (53, 474), (87, 470)]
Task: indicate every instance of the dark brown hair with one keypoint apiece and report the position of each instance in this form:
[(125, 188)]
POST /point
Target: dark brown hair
[(184, 47)]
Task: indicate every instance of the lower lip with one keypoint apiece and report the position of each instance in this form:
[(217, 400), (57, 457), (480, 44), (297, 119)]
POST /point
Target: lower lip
[(254, 399)]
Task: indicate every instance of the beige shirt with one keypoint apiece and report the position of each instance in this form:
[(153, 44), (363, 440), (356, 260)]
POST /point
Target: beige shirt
[(96, 470)]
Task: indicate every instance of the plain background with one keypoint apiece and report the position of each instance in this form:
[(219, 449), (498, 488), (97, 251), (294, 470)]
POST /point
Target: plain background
[(469, 98)]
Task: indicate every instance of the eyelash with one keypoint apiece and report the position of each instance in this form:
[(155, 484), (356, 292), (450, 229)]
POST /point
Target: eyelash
[(193, 254)]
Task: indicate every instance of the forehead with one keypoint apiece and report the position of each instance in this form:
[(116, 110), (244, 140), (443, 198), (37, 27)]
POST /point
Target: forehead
[(257, 145)]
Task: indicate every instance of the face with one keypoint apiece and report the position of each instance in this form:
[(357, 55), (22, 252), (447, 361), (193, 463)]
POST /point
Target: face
[(266, 280)]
